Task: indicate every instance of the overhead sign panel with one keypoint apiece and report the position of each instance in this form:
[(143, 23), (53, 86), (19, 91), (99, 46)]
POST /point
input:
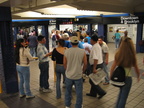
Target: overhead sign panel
[(130, 20)]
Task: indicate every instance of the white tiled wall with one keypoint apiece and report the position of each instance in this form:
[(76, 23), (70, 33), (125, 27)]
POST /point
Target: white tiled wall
[(131, 28)]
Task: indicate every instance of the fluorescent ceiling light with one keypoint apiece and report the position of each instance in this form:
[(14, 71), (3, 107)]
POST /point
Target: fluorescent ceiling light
[(39, 15), (69, 10), (2, 1)]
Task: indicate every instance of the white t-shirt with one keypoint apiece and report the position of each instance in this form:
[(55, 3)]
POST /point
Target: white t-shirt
[(74, 56), (87, 45), (96, 53)]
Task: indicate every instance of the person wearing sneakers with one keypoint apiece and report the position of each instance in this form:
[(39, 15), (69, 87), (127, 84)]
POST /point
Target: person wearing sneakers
[(42, 54), (96, 62), (57, 55), (105, 52), (75, 62), (23, 56)]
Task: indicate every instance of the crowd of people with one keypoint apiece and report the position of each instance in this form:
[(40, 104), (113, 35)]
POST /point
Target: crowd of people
[(75, 55)]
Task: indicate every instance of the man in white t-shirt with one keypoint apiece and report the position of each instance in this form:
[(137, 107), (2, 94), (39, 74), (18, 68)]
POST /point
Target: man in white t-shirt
[(96, 61)]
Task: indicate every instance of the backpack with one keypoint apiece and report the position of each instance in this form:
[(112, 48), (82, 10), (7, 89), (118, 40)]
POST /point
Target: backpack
[(118, 77), (54, 37)]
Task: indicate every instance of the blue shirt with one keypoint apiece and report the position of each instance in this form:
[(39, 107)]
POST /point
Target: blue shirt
[(117, 35), (89, 38), (67, 44)]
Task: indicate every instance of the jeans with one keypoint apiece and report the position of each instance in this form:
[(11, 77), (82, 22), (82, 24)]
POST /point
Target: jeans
[(44, 74), (68, 93), (53, 43), (106, 71), (59, 70), (117, 41), (124, 92), (33, 51), (96, 89), (24, 76)]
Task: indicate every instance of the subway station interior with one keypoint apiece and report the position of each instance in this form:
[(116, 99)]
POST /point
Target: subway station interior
[(103, 17)]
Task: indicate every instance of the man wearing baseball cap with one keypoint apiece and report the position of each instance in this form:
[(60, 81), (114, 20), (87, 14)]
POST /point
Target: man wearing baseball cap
[(75, 62)]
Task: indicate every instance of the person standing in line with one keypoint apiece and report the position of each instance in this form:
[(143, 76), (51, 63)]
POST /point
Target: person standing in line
[(65, 36), (87, 46), (32, 42), (125, 57), (23, 57), (96, 62), (42, 54), (117, 38), (105, 51), (57, 55), (53, 37), (75, 62)]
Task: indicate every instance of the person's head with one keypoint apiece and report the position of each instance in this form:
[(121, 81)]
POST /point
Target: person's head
[(41, 39), (94, 39), (57, 32), (74, 40), (65, 36), (87, 33), (126, 54), (125, 33), (85, 40), (117, 30), (20, 43), (61, 42), (100, 40)]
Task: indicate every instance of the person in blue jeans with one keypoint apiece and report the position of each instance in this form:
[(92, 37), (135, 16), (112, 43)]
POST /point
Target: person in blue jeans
[(57, 55), (117, 38), (43, 54), (23, 57), (105, 53), (125, 57), (75, 62)]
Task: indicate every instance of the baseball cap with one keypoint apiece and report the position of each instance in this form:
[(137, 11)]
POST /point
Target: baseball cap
[(65, 35), (74, 39)]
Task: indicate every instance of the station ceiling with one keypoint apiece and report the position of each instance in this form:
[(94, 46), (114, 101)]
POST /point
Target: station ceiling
[(49, 9)]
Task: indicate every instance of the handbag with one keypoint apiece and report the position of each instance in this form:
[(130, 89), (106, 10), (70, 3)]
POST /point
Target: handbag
[(118, 77), (97, 77)]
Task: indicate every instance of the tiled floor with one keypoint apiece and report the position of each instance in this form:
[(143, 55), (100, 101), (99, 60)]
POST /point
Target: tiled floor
[(48, 100)]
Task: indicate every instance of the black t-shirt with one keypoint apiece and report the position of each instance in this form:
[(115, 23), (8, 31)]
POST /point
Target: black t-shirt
[(56, 56)]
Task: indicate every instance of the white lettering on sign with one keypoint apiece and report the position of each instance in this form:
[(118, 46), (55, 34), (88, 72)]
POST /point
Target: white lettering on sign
[(130, 20)]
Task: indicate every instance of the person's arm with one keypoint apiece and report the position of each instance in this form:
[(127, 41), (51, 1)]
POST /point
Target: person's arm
[(112, 68), (137, 71), (65, 62), (84, 62), (28, 55), (106, 58), (48, 54), (95, 65)]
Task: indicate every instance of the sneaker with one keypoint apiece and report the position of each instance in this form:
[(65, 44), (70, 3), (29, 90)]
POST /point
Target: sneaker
[(47, 90), (40, 89), (29, 97), (21, 96)]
